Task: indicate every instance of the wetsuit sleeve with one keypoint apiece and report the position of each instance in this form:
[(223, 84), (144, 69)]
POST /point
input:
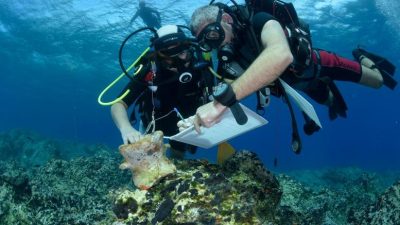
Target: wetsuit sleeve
[(259, 21), (155, 12), (135, 16)]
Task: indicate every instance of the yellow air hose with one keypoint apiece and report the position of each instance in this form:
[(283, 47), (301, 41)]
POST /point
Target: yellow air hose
[(219, 76), (118, 78)]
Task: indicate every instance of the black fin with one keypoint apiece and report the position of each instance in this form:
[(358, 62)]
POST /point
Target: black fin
[(388, 80), (339, 106), (332, 113), (380, 62), (310, 126)]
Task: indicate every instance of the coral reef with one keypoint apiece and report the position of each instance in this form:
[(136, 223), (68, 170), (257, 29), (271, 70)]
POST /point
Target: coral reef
[(147, 160), (92, 190), (239, 192), (385, 210), (30, 149), (330, 196), (61, 192)]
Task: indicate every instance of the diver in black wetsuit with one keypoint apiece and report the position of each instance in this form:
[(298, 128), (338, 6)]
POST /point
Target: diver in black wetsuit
[(173, 76), (150, 17)]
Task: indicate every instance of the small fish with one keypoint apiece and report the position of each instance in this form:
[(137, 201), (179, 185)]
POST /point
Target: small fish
[(275, 162), (29, 138)]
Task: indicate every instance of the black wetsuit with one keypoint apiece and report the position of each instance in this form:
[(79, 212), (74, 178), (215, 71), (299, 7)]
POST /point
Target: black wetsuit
[(329, 64), (150, 17), (172, 93)]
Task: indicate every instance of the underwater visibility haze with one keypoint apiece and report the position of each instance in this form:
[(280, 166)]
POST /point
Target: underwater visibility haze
[(57, 56), (59, 153)]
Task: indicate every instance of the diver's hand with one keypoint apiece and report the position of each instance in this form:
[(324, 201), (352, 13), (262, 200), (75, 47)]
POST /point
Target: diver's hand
[(185, 123), (130, 135), (207, 115)]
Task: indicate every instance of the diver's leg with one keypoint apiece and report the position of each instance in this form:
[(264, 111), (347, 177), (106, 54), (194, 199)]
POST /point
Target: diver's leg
[(375, 66), (339, 68), (380, 62), (370, 77)]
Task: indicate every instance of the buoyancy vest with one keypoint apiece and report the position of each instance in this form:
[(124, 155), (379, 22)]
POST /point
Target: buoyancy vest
[(173, 92), (296, 30)]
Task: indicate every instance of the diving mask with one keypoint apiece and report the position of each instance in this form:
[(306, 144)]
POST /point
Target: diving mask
[(176, 56), (174, 51), (212, 36)]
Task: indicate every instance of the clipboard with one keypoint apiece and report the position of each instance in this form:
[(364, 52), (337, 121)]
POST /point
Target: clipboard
[(226, 129), (301, 102)]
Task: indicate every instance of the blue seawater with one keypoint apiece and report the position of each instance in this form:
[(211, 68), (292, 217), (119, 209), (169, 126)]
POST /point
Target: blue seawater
[(57, 56)]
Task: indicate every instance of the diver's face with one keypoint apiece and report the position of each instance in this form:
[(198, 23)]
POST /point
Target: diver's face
[(214, 35), (181, 58)]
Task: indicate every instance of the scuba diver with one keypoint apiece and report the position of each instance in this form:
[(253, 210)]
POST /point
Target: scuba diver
[(150, 17), (255, 48), (172, 83)]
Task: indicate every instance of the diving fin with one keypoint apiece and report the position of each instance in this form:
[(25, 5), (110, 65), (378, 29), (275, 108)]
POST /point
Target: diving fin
[(225, 151), (310, 126), (380, 62), (338, 106), (385, 67), (388, 79)]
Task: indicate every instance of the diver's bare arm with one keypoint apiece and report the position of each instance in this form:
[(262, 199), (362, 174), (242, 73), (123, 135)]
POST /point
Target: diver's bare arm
[(269, 65), (121, 120), (120, 115)]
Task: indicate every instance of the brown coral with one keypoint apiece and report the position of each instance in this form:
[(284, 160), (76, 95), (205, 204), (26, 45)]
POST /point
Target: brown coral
[(147, 160)]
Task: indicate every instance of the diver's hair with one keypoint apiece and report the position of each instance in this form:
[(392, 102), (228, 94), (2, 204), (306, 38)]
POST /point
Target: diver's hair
[(206, 14)]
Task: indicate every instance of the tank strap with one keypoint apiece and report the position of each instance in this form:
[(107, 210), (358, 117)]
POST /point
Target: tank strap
[(317, 66)]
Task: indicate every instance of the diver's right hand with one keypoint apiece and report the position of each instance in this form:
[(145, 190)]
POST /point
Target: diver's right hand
[(130, 135), (185, 123), (208, 115)]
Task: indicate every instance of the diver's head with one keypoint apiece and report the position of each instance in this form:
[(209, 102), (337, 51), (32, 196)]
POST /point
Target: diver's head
[(142, 3), (172, 46), (212, 27)]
